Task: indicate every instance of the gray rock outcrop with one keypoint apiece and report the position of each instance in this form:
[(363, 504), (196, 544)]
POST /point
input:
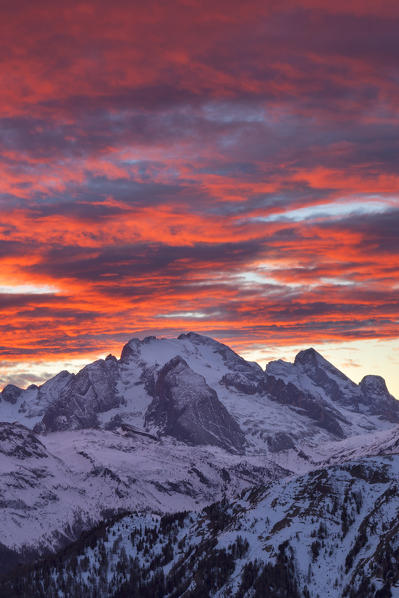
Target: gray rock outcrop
[(186, 408)]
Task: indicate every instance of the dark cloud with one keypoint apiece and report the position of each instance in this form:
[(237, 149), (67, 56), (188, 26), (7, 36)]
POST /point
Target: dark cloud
[(152, 157), (144, 259)]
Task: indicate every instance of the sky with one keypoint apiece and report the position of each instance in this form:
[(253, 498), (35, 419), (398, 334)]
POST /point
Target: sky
[(226, 167)]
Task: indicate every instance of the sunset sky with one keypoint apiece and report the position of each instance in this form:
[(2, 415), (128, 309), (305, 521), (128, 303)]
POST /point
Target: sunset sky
[(227, 167)]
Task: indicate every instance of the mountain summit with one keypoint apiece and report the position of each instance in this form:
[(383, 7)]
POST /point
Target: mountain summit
[(198, 390)]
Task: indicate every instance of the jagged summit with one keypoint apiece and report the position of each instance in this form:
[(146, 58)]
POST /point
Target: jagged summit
[(376, 395), (196, 337), (278, 409), (309, 355), (11, 393), (176, 364), (375, 384), (315, 384), (312, 362)]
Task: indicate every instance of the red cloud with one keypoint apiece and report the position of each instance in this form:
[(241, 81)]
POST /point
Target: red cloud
[(154, 159)]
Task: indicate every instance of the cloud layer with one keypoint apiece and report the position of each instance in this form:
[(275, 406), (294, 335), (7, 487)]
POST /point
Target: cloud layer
[(226, 167)]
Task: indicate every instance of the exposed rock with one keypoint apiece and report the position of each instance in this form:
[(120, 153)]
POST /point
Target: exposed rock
[(289, 394), (377, 397), (280, 442), (132, 348), (129, 350), (91, 391), (374, 386), (11, 393), (314, 376), (316, 391), (35, 401), (186, 408), (241, 382), (334, 383), (18, 441)]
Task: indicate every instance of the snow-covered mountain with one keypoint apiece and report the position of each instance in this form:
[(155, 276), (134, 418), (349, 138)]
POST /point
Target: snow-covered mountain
[(174, 425), (312, 374), (286, 406), (54, 487), (331, 533)]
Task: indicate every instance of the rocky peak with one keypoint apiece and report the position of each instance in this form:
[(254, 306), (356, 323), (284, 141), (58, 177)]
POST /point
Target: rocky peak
[(313, 374), (375, 394), (89, 392), (133, 347), (55, 383), (312, 383), (373, 385), (312, 362), (111, 357), (11, 393), (308, 357), (175, 367), (333, 383)]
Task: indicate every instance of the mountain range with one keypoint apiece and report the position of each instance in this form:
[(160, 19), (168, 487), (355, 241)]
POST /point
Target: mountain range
[(181, 469)]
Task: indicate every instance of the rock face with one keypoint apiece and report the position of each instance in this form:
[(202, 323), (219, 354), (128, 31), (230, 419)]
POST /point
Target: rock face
[(17, 441), (287, 393), (379, 401), (314, 384), (203, 406), (244, 383), (11, 393), (336, 386), (186, 408), (90, 392)]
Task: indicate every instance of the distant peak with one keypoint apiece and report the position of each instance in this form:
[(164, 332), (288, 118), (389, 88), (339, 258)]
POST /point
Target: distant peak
[(194, 336), (312, 362), (373, 384), (11, 393), (110, 357), (308, 356), (12, 387)]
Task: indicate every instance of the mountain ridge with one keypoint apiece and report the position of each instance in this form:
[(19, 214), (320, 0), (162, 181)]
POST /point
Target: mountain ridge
[(310, 383), (174, 425)]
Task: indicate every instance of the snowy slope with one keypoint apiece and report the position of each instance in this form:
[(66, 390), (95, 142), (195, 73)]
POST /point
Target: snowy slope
[(51, 489), (328, 534), (174, 424)]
